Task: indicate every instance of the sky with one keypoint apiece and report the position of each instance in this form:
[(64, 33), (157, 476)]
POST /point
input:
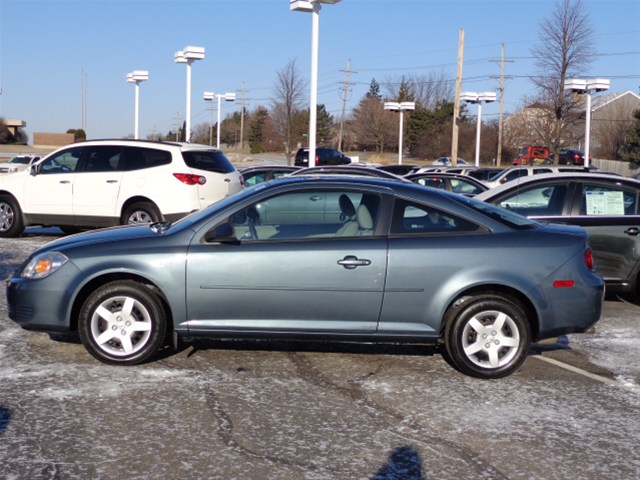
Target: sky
[(54, 54)]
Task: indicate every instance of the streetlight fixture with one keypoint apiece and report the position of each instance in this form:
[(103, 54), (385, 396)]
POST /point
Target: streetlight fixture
[(314, 7), (189, 55), (136, 77), (209, 97), (400, 107), (478, 98), (581, 86)]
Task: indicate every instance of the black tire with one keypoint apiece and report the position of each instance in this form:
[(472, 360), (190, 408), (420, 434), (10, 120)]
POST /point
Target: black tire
[(11, 223), (140, 213), (487, 336), (122, 323)]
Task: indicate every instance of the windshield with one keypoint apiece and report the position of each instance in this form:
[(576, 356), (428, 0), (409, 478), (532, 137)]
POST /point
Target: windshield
[(209, 160), (219, 205)]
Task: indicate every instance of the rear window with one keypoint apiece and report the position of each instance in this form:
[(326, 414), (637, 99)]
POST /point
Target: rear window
[(211, 161), (502, 215)]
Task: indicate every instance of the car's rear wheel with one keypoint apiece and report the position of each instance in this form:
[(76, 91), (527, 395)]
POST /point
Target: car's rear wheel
[(140, 212), (11, 224), (122, 322), (487, 335)]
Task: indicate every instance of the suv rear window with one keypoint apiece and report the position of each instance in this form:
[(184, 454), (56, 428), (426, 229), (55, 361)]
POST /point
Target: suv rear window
[(210, 161)]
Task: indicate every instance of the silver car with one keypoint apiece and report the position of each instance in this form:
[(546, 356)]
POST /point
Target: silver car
[(332, 258)]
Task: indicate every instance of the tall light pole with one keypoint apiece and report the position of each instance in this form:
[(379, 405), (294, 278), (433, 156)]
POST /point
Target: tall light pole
[(400, 107), (136, 77), (314, 7), (189, 55), (209, 97), (581, 86), (478, 98)]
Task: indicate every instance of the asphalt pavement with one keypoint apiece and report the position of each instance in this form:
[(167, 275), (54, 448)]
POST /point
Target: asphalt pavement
[(280, 410)]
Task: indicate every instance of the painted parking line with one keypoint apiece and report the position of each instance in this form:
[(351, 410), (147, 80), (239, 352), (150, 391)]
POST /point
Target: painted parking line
[(577, 370)]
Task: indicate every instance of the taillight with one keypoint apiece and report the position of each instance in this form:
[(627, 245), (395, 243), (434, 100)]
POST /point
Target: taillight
[(190, 178), (588, 260)]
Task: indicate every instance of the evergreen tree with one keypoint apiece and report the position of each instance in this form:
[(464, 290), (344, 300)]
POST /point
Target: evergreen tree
[(324, 126), (256, 129), (374, 90), (630, 151)]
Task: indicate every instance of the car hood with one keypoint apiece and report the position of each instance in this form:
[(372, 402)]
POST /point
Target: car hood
[(103, 235)]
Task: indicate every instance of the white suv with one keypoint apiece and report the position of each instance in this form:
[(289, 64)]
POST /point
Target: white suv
[(110, 182)]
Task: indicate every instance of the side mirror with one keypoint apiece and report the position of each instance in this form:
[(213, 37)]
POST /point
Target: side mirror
[(223, 233)]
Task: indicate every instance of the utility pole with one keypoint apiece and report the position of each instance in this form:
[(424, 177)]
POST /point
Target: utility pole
[(456, 105), (500, 121), (177, 125), (344, 103), (242, 119)]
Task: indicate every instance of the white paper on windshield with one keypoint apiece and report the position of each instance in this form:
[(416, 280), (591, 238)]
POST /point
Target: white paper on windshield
[(605, 203)]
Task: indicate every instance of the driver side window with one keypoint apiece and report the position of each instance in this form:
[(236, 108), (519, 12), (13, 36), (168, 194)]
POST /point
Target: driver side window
[(63, 162), (308, 214)]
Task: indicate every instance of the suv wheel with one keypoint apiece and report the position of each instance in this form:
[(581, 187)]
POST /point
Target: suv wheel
[(140, 212), (11, 224)]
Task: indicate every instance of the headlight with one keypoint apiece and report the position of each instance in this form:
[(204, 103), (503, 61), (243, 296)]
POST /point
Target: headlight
[(43, 265)]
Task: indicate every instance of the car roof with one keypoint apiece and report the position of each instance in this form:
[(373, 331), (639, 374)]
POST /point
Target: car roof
[(544, 177), (445, 174), (340, 170), (254, 168), (141, 142)]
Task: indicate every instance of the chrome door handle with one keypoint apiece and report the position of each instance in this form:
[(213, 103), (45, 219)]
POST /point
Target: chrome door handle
[(351, 261), (633, 231)]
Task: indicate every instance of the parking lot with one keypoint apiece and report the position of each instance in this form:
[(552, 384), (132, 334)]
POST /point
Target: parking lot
[(241, 409)]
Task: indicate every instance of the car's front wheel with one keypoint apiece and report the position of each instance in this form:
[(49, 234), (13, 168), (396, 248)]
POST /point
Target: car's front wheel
[(140, 212), (487, 335), (122, 322), (11, 224)]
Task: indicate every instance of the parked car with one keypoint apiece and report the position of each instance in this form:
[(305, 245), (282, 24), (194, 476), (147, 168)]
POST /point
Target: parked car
[(570, 157), (399, 169), (17, 163), (109, 182), (479, 173), (606, 206), (483, 173), (512, 173), (347, 170), (334, 258), (451, 182), (324, 156), (446, 161), (264, 173), (532, 155)]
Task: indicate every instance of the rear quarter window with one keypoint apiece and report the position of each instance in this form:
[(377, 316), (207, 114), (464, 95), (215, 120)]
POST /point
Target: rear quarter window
[(210, 161), (136, 158)]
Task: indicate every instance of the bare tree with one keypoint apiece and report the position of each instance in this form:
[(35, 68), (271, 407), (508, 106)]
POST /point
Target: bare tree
[(432, 89), (374, 127), (288, 99), (564, 50)]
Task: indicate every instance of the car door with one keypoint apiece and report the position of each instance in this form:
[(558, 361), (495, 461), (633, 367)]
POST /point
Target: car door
[(97, 183), (49, 191), (292, 277), (608, 211)]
